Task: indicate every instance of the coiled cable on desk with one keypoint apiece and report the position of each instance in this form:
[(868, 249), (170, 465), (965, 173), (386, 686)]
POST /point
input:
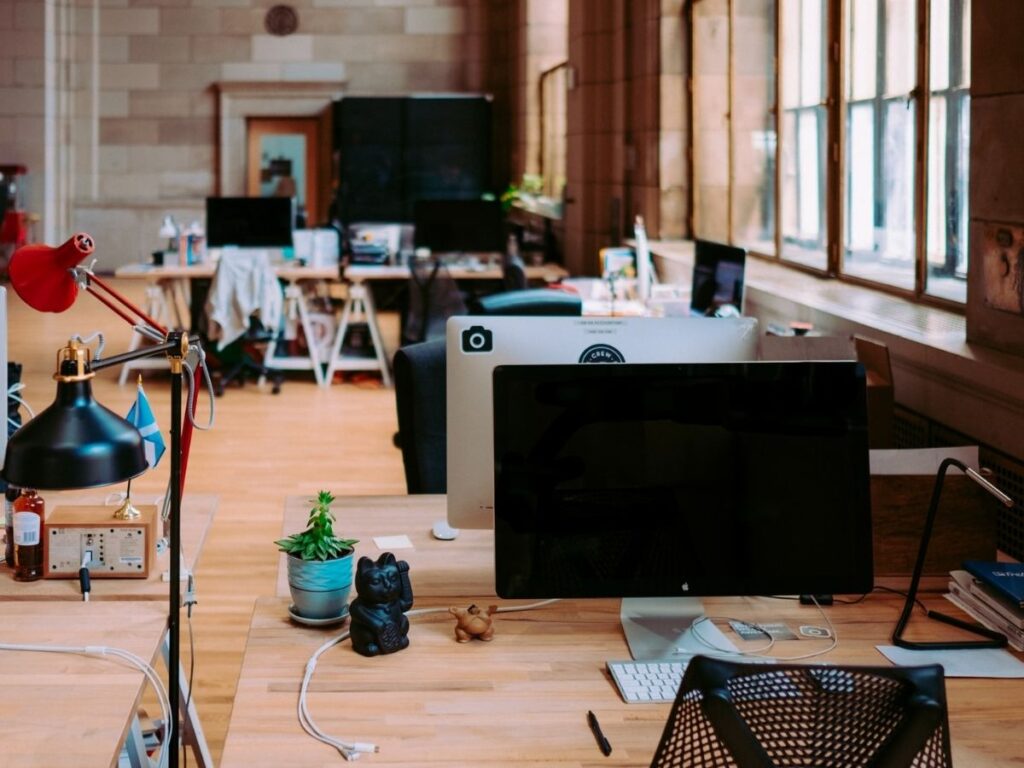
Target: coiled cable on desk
[(351, 750)]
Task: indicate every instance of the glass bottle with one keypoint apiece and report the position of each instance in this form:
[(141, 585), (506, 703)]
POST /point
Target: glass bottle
[(9, 496), (28, 540)]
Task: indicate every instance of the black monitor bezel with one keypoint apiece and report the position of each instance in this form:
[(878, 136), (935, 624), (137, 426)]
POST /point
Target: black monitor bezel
[(509, 556), (278, 210)]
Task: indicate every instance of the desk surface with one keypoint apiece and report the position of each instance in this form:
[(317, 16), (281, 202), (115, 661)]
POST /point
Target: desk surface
[(462, 567), (521, 699), (548, 272), (290, 272), (66, 709), (196, 516)]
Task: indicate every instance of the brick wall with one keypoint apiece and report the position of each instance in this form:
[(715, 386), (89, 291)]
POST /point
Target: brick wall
[(136, 116), (996, 168)]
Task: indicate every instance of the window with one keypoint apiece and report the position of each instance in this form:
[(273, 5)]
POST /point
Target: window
[(949, 122), (803, 132), (845, 154)]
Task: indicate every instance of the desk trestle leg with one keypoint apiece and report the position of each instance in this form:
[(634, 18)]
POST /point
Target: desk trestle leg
[(359, 303)]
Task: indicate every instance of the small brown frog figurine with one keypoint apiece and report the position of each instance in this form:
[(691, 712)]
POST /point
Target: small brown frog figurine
[(473, 622)]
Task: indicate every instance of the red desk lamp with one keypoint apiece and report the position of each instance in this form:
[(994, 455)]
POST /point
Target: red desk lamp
[(78, 443)]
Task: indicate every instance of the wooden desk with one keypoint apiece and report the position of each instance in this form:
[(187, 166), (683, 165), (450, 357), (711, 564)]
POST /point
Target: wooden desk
[(522, 699), (464, 566), (65, 709), (197, 511), (360, 305)]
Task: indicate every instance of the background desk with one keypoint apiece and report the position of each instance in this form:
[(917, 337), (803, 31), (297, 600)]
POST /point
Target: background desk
[(68, 710), (361, 304), (169, 299), (522, 698)]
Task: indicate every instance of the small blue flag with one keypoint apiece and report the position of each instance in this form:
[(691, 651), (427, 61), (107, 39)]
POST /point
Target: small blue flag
[(141, 415)]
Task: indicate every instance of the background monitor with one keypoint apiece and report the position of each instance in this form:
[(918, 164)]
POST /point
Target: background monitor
[(681, 480), (717, 277), (459, 226), (476, 345), (249, 222)]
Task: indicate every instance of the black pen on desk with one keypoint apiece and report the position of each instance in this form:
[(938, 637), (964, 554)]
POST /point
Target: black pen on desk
[(602, 740)]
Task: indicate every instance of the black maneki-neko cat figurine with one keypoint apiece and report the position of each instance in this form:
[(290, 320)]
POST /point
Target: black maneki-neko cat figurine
[(379, 624)]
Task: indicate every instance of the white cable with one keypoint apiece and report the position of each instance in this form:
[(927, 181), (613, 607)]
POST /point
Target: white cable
[(98, 354), (351, 750), (760, 651), (116, 653)]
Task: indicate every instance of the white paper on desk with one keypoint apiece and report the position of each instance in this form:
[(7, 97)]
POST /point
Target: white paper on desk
[(393, 542), (971, 662)]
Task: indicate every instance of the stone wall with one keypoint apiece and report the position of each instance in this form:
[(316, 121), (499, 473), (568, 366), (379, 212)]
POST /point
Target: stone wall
[(995, 286), (138, 113)]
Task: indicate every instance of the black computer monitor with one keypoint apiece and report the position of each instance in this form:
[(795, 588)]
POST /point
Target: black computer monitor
[(717, 277), (459, 226), (681, 480), (249, 222)]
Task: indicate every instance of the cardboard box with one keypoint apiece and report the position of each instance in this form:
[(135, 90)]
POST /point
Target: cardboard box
[(902, 482)]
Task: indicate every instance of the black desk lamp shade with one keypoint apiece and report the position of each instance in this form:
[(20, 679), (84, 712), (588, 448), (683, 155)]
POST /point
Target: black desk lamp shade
[(75, 442)]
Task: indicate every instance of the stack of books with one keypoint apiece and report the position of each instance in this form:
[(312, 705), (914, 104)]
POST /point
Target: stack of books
[(993, 594)]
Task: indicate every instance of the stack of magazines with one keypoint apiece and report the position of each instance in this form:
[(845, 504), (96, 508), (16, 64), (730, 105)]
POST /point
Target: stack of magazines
[(992, 593)]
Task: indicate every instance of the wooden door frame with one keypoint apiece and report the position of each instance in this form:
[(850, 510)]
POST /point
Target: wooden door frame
[(310, 128)]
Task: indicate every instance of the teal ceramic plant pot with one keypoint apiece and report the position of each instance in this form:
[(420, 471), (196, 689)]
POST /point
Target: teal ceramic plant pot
[(320, 588)]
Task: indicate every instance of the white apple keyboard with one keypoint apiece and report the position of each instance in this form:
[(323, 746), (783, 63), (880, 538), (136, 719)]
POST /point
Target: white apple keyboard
[(647, 682), (657, 682)]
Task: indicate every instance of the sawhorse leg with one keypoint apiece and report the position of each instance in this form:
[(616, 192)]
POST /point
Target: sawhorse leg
[(359, 302)]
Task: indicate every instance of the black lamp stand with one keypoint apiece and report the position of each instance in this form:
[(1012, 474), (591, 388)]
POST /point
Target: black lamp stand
[(175, 348), (993, 639)]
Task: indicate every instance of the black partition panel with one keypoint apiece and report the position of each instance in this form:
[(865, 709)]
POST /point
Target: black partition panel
[(394, 151)]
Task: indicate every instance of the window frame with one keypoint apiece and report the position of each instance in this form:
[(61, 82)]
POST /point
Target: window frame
[(836, 105)]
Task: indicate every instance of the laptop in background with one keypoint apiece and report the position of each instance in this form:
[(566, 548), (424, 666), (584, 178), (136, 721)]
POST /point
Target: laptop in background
[(717, 278)]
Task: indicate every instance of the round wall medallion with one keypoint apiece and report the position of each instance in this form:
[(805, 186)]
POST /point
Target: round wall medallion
[(281, 20)]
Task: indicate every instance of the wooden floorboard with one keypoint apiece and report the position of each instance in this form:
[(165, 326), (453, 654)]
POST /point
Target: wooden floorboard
[(263, 447)]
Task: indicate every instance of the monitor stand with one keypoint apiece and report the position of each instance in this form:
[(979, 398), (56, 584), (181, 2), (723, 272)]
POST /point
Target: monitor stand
[(658, 627)]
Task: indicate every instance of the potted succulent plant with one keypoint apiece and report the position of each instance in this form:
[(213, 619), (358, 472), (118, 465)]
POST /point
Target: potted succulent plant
[(320, 565)]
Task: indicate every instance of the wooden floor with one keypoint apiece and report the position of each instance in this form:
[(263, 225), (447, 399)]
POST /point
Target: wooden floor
[(262, 448)]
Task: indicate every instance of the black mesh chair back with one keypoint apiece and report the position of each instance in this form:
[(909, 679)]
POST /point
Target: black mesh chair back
[(434, 296), (422, 425), (774, 715)]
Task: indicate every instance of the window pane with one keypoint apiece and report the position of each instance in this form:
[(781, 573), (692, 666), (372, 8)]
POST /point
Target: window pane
[(790, 71), (948, 146), (862, 44), (812, 43), (803, 138), (890, 259), (938, 188), (938, 42), (753, 126), (900, 46), (860, 218)]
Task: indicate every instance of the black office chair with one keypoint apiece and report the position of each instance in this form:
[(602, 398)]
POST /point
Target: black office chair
[(434, 296), (773, 715), (513, 273), (422, 429), (531, 301)]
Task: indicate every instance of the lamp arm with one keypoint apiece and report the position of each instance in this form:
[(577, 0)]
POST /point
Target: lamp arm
[(87, 277), (995, 639), (139, 354)]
